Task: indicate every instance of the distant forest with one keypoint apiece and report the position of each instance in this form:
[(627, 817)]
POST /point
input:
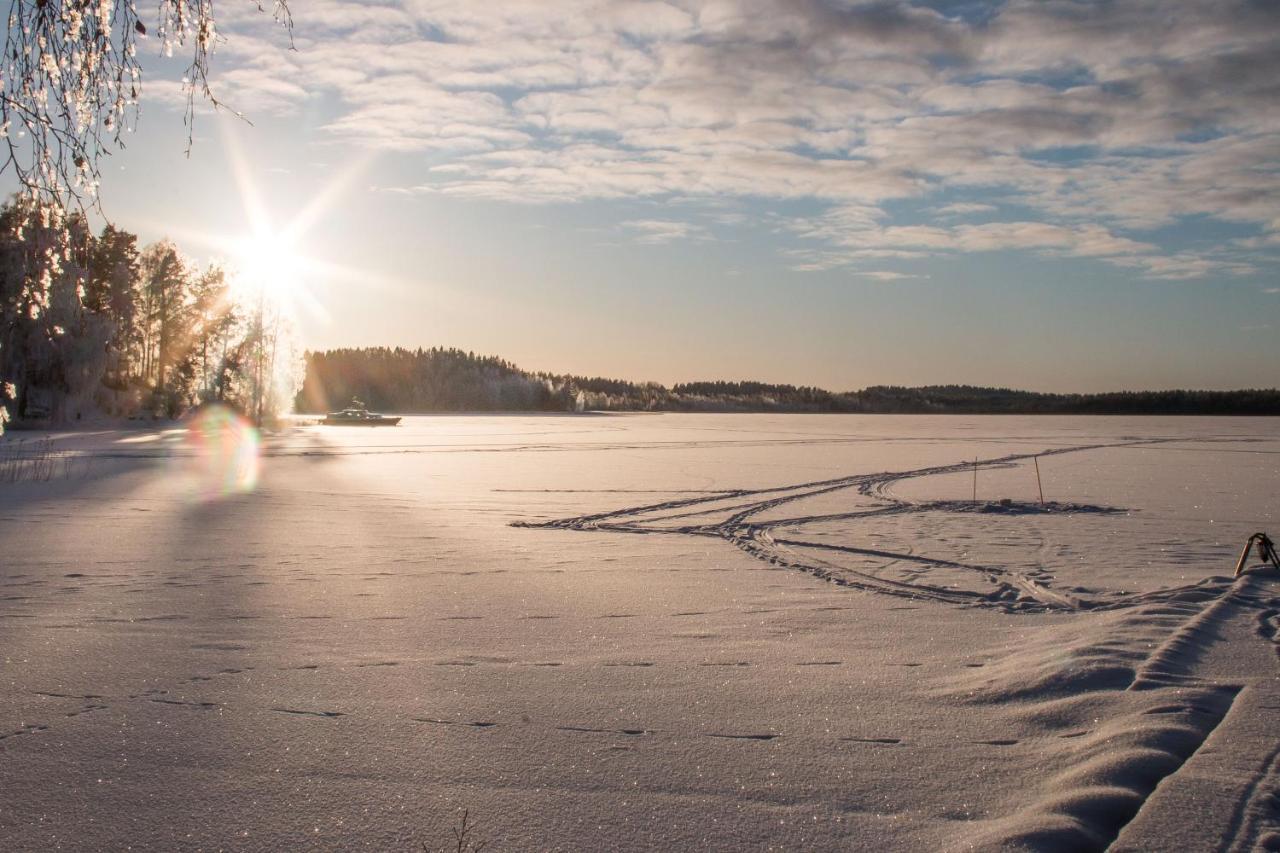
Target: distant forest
[(451, 380)]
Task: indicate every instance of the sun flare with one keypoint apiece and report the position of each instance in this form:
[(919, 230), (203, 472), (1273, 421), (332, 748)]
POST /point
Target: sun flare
[(267, 264)]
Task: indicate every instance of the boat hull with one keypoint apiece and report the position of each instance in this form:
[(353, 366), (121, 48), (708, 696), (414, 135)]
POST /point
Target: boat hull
[(381, 421)]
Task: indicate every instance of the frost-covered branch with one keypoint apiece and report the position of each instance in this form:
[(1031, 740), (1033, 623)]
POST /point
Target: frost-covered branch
[(71, 83)]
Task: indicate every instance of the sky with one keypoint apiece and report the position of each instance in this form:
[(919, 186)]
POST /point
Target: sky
[(1060, 196)]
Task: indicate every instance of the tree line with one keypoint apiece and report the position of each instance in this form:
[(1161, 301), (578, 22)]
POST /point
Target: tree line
[(426, 380), (451, 380), (94, 325)]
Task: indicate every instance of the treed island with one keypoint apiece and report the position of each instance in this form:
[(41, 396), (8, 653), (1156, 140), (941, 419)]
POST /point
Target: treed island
[(403, 380)]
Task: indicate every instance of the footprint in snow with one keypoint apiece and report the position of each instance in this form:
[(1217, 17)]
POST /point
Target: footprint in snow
[(476, 724), (587, 730), (888, 741), (203, 706)]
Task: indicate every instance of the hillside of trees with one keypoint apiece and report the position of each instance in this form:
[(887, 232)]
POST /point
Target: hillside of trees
[(93, 325), (434, 380), (450, 380)]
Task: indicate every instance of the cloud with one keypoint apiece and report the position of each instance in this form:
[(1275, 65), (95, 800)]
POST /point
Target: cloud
[(659, 231), (961, 208), (1183, 265), (1103, 122), (1079, 240), (887, 275), (856, 246)]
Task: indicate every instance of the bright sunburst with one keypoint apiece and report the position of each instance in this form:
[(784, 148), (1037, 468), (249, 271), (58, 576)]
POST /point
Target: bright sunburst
[(269, 265)]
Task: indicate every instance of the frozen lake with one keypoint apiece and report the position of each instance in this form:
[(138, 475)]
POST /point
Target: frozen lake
[(618, 632)]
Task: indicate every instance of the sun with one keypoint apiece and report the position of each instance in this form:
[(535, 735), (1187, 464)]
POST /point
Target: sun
[(269, 266)]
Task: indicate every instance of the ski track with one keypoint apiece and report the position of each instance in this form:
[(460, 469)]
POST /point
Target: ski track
[(1104, 784), (1009, 591)]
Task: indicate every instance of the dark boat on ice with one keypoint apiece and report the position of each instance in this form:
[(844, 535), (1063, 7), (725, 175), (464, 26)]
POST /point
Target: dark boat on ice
[(357, 415)]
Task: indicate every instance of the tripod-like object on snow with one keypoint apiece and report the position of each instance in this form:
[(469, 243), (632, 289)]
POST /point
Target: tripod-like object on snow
[(1266, 552)]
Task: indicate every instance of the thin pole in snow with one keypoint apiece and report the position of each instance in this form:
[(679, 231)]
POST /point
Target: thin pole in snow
[(1244, 555), (1036, 459), (975, 479)]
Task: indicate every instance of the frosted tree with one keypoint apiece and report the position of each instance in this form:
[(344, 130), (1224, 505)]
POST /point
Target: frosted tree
[(34, 244), (214, 327), (166, 315), (114, 273), (72, 79), (52, 347)]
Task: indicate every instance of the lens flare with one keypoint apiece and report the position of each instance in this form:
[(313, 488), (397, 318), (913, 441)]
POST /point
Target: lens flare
[(224, 453)]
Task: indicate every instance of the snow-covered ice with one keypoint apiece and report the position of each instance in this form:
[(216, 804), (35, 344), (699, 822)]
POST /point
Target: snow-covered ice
[(627, 632)]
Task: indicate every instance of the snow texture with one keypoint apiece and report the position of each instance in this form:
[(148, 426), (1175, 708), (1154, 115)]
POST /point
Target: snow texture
[(739, 632)]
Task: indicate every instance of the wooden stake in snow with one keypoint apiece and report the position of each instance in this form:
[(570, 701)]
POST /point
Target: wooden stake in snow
[(975, 479), (1244, 555), (1036, 459)]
